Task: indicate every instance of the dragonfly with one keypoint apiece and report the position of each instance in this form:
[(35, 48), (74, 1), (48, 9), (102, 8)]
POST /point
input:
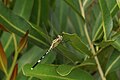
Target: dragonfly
[(54, 44)]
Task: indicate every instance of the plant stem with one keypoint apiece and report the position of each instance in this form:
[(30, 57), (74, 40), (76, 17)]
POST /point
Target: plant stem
[(91, 45), (15, 58)]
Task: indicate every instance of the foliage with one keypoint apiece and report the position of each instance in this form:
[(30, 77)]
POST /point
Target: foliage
[(90, 49)]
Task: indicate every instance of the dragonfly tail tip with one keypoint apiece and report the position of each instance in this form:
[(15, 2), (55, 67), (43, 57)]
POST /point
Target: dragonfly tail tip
[(31, 68)]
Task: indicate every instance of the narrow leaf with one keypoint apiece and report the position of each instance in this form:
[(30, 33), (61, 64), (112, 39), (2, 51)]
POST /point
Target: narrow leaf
[(23, 8), (3, 59), (44, 11), (48, 72), (36, 12), (19, 26), (61, 11), (14, 73), (97, 32), (107, 20), (77, 43), (104, 56), (75, 8), (113, 63), (67, 53)]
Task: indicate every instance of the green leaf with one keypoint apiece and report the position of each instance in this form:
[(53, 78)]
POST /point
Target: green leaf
[(7, 41), (49, 58), (104, 44), (104, 56), (76, 42), (88, 64), (19, 26), (95, 10), (61, 10), (68, 54), (23, 8), (89, 61), (64, 70), (33, 55), (48, 72), (106, 17), (76, 24), (112, 76), (118, 2), (113, 63), (40, 12), (44, 11), (97, 32), (116, 43), (74, 5)]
